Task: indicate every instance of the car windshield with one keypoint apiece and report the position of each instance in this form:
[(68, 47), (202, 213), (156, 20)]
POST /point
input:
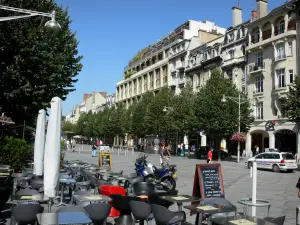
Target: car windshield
[(288, 156)]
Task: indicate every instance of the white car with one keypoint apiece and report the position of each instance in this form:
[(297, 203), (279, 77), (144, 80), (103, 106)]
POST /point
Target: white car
[(276, 161)]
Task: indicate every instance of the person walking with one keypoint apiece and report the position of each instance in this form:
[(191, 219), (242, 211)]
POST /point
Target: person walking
[(210, 155), (165, 156), (94, 148), (298, 186)]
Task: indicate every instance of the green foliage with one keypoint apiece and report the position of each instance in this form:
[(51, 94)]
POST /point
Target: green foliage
[(217, 119), (156, 120), (36, 64), (14, 152), (292, 105), (67, 126), (127, 74)]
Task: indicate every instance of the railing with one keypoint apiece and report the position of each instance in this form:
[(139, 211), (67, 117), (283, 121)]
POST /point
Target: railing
[(280, 57), (258, 91), (279, 86), (256, 67)]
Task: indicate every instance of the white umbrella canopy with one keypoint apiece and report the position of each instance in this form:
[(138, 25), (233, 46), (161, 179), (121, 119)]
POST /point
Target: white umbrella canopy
[(52, 149), (39, 143)]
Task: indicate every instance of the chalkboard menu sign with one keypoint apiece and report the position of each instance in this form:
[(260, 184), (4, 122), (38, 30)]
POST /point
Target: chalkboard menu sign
[(208, 181), (105, 160)]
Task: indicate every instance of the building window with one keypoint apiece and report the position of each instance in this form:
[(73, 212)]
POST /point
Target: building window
[(291, 73), (290, 51), (280, 51), (259, 110), (280, 78), (281, 27), (259, 59), (259, 84), (282, 108), (231, 54), (198, 79)]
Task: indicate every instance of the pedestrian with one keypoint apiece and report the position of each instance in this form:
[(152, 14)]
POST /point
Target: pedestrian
[(68, 144), (298, 186), (210, 155), (178, 149), (165, 156), (256, 150), (94, 148), (73, 144)]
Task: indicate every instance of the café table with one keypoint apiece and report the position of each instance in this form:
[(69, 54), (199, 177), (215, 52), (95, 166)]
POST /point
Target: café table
[(179, 199), (209, 210), (63, 218), (63, 182), (91, 198), (240, 220), (29, 198)]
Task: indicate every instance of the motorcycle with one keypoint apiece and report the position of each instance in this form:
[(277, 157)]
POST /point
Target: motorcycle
[(165, 176)]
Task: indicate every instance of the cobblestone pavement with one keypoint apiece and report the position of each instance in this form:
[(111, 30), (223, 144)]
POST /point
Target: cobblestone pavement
[(278, 188)]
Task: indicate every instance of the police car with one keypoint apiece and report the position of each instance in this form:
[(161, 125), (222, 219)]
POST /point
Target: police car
[(276, 161)]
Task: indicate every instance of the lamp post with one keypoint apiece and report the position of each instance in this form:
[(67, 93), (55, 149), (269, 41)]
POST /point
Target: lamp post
[(239, 101), (30, 13)]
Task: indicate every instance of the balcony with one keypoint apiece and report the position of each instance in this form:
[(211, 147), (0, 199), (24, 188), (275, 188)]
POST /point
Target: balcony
[(181, 66), (279, 58), (261, 43), (258, 92), (232, 61), (257, 68), (280, 90)]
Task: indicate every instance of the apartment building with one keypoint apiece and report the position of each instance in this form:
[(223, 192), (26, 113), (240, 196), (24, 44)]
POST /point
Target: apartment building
[(149, 69), (272, 65), (91, 103)]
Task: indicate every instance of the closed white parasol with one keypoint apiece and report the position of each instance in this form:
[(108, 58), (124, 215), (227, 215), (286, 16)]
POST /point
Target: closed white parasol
[(52, 149), (39, 143)]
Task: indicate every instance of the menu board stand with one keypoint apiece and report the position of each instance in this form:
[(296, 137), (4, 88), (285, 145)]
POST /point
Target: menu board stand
[(208, 181), (105, 158)]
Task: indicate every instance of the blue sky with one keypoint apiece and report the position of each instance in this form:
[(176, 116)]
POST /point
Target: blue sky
[(112, 31)]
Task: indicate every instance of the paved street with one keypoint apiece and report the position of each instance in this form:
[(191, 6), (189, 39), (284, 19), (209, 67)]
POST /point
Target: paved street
[(279, 188)]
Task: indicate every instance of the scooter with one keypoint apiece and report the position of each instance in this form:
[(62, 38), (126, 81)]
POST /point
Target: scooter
[(165, 176)]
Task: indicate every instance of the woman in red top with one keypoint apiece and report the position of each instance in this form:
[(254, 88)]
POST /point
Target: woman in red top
[(210, 155)]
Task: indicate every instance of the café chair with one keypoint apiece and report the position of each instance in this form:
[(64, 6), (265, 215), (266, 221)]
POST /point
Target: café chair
[(143, 188), (25, 214), (155, 199), (278, 220), (121, 203), (4, 197), (163, 216), (98, 213), (140, 211), (83, 186)]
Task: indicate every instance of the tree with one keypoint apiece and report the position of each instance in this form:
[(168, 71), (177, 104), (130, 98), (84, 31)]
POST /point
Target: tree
[(183, 111), (67, 126), (292, 105), (217, 119), (156, 121), (36, 64)]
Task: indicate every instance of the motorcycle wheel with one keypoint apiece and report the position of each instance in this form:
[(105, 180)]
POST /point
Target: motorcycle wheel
[(171, 184)]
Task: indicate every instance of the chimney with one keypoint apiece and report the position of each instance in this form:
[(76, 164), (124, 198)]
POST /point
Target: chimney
[(254, 14), (262, 8), (236, 16)]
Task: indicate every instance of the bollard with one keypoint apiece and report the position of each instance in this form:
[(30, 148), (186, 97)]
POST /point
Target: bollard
[(297, 215)]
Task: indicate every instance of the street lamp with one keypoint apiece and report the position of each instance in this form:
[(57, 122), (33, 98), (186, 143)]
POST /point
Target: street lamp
[(53, 24), (239, 101)]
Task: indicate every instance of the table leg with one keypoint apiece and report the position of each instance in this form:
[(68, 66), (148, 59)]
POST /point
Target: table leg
[(49, 205), (179, 204), (198, 219), (62, 195)]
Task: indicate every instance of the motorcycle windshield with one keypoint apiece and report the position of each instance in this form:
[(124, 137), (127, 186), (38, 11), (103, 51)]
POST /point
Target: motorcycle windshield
[(141, 158)]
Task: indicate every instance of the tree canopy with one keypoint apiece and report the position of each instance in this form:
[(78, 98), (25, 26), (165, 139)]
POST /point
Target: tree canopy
[(36, 64), (218, 119), (292, 105)]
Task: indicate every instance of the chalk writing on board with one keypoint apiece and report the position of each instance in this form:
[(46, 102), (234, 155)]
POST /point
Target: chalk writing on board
[(211, 182)]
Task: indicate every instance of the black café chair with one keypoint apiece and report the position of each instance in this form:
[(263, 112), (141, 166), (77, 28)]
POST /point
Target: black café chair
[(4, 197), (156, 199), (121, 203), (140, 210), (143, 188), (278, 220), (25, 214), (163, 216), (98, 213)]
